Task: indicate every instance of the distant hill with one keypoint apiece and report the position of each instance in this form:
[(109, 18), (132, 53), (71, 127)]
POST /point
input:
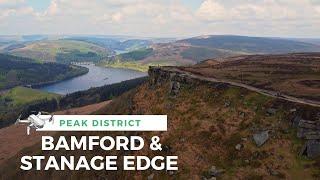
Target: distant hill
[(16, 71), (251, 44), (137, 55), (114, 44), (315, 41), (63, 51)]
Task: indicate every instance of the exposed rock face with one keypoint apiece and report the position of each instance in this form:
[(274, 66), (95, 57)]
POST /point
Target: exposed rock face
[(214, 172), (311, 149), (271, 111), (306, 129), (174, 88), (261, 138), (150, 177), (310, 131)]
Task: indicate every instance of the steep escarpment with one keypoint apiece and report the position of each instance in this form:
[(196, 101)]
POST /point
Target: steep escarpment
[(216, 130), (216, 127)]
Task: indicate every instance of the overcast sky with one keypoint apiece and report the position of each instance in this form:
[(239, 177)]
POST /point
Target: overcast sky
[(161, 18)]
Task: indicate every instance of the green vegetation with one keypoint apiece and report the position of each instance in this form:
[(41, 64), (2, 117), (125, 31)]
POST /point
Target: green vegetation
[(13, 102), (16, 71), (21, 100), (64, 51), (133, 65), (251, 44), (21, 95), (126, 65), (136, 55), (114, 44), (202, 53)]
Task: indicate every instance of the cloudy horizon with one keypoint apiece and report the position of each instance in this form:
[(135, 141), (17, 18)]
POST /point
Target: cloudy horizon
[(161, 18)]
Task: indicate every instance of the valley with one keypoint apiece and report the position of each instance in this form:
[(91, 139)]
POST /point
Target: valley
[(212, 127), (19, 71), (234, 110), (63, 51)]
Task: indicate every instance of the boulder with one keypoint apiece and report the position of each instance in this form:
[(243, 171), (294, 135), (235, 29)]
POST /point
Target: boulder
[(296, 120), (301, 132), (260, 138), (214, 172), (175, 88), (307, 124), (311, 149), (271, 111), (227, 103), (312, 135), (239, 147), (242, 114), (150, 177), (293, 110)]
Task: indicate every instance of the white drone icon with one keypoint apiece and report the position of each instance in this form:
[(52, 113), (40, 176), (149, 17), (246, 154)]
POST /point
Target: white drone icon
[(35, 121)]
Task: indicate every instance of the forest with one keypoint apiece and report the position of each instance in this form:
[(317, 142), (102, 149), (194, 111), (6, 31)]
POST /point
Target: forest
[(77, 99), (18, 71)]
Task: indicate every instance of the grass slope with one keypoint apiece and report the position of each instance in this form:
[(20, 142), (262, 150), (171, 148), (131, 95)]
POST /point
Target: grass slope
[(202, 132), (61, 51), (21, 95), (13, 102), (252, 44), (15, 71)]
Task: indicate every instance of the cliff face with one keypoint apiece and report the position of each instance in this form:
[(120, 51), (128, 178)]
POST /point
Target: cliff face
[(269, 120)]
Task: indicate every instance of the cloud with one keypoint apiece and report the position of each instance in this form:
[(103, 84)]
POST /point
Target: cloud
[(163, 17), (7, 2), (265, 10)]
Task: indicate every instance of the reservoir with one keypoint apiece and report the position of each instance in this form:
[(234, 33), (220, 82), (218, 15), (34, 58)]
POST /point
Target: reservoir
[(97, 76)]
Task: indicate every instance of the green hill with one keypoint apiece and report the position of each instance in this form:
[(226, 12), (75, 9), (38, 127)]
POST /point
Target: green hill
[(16, 71), (13, 101), (251, 44), (22, 95), (64, 51)]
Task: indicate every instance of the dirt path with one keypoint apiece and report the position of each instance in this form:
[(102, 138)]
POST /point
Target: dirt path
[(14, 138), (261, 91)]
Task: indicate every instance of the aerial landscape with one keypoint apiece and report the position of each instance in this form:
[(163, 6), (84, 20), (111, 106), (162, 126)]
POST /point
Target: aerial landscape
[(239, 83)]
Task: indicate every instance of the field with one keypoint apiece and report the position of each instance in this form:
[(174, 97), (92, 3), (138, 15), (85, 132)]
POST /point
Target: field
[(293, 74), (62, 51), (20, 95), (13, 102)]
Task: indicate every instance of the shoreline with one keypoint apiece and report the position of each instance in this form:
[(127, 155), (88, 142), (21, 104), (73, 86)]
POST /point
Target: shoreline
[(42, 84)]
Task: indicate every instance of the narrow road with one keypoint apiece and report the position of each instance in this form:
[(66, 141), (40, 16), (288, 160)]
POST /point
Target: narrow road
[(273, 94)]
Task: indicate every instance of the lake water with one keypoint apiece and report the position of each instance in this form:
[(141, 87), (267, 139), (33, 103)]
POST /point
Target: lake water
[(97, 76)]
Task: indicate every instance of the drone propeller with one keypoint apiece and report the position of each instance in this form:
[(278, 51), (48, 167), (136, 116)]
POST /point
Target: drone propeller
[(17, 121), (51, 118), (44, 112)]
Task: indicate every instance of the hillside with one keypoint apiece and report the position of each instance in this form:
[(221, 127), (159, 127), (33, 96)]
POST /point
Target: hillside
[(25, 101), (63, 51), (193, 50), (252, 45), (21, 95), (168, 54), (16, 71), (290, 74), (212, 126), (14, 100), (9, 134), (115, 44)]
